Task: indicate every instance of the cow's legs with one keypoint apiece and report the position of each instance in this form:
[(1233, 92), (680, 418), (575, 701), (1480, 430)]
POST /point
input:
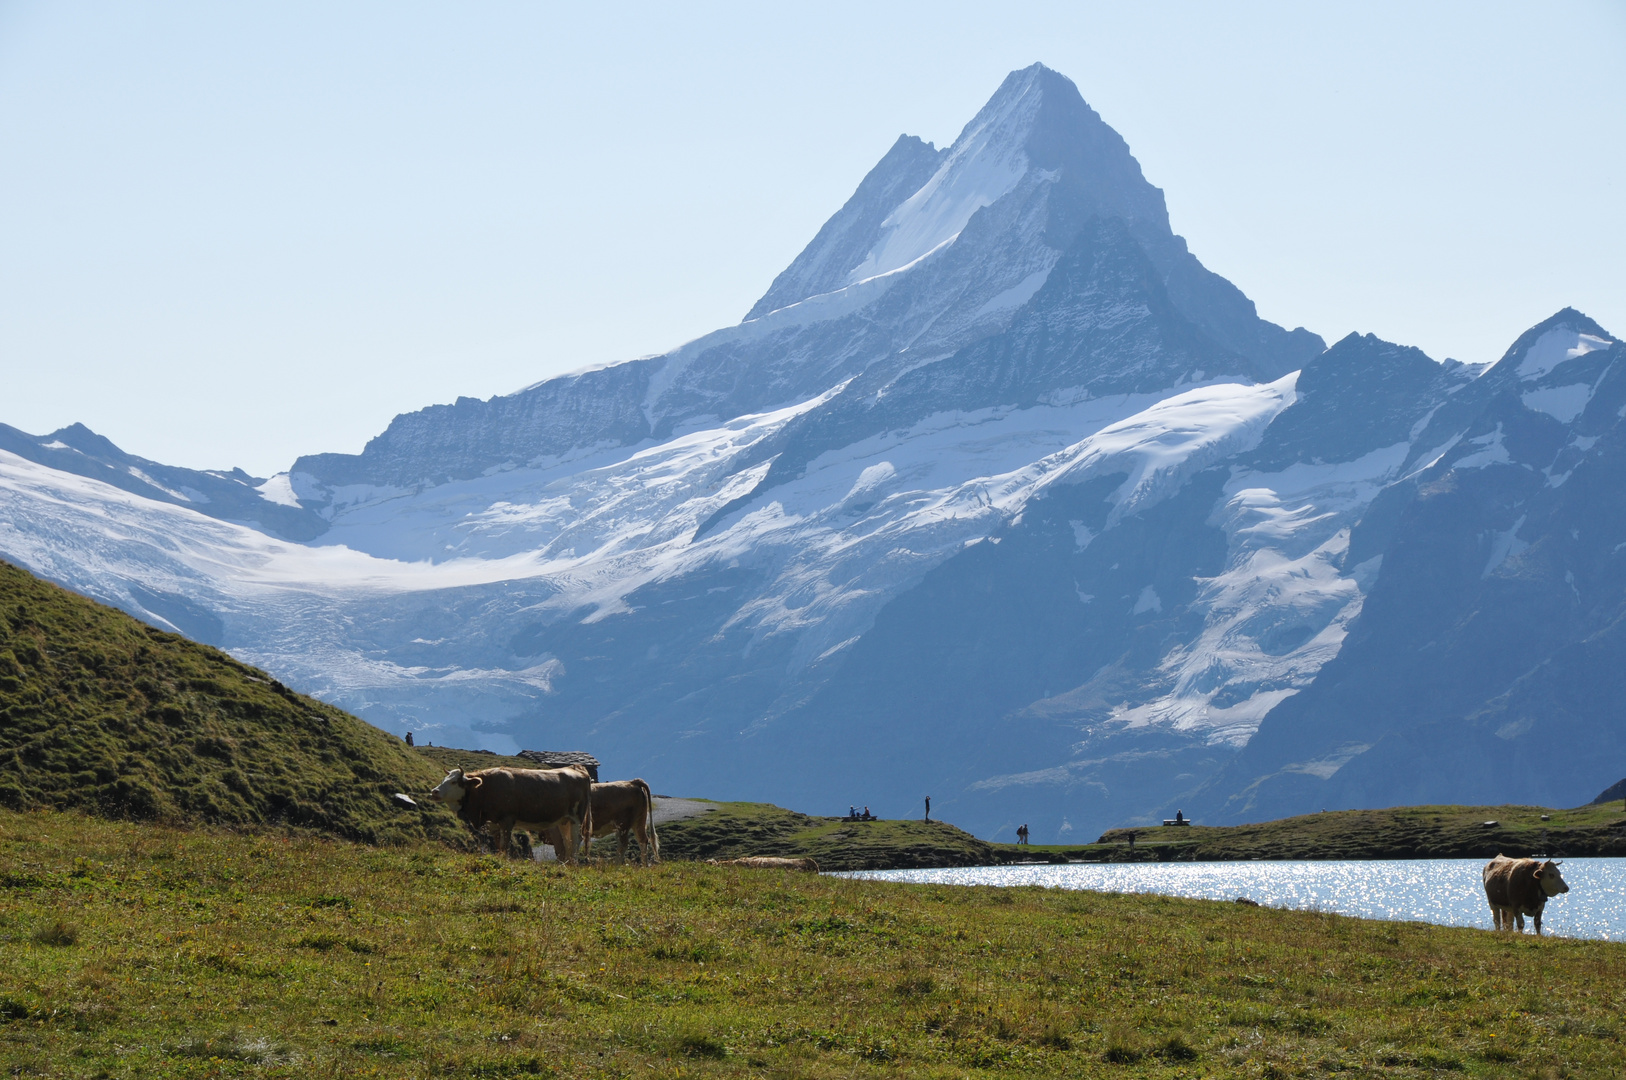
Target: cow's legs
[(499, 836), (1537, 918)]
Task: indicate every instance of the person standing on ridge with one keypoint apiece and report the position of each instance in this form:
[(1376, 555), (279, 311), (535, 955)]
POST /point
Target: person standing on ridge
[(928, 808)]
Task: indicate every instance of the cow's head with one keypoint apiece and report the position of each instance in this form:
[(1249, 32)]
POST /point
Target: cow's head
[(452, 790), (1550, 880)]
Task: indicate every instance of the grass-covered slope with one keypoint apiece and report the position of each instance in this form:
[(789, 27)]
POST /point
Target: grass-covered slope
[(136, 950), (101, 712), (443, 759), (1400, 832), (733, 829), (729, 830)]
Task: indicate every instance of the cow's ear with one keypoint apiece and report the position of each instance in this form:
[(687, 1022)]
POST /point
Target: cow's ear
[(1538, 872)]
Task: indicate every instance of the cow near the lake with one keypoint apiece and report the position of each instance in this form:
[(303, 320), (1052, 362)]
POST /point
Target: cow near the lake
[(623, 807), (1519, 887), (502, 800)]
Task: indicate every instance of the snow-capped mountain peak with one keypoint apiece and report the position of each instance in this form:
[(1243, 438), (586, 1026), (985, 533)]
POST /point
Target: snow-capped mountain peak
[(979, 168), (1555, 347), (1564, 336)]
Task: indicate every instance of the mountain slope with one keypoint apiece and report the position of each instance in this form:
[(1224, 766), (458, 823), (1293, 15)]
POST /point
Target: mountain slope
[(997, 495), (1487, 658), (106, 715), (846, 238)]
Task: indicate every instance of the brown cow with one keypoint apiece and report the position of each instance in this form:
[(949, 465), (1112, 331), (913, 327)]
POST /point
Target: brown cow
[(1519, 887), (621, 807), (768, 862), (501, 800)]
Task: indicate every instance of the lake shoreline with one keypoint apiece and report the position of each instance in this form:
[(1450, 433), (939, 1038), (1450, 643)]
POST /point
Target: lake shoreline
[(1441, 892), (1391, 834), (731, 830)]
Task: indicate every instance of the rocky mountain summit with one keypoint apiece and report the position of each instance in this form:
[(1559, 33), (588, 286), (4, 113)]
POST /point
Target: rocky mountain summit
[(997, 494), (935, 251)]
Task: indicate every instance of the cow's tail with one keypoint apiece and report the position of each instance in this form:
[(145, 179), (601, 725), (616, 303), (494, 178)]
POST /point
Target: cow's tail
[(653, 855)]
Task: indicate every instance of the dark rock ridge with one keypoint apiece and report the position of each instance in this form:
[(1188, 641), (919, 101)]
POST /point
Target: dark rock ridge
[(1614, 791), (846, 238)]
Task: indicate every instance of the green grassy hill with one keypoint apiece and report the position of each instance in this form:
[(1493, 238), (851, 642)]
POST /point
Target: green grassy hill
[(733, 829), (1403, 832), (140, 950), (443, 759), (101, 712), (1408, 832)]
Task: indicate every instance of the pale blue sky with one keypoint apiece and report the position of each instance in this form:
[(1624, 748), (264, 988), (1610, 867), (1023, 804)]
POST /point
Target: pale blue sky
[(234, 233)]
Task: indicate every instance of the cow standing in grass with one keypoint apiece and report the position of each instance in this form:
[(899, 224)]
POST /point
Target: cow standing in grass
[(624, 807), (502, 800), (1519, 887)]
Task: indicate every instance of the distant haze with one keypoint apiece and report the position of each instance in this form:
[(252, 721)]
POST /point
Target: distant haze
[(230, 235)]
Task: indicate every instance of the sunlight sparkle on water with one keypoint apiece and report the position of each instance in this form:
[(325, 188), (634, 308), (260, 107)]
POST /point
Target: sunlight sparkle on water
[(1444, 891)]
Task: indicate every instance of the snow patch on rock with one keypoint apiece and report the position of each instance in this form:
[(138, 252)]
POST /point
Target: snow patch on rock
[(280, 490), (1562, 403), (1554, 347)]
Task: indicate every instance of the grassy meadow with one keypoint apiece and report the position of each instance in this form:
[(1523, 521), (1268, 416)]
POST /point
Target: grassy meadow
[(1401, 832), (731, 829), (147, 950)]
